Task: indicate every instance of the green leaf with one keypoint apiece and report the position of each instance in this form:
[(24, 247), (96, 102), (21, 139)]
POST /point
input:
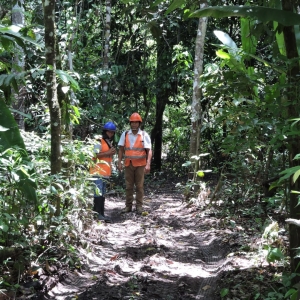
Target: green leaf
[(3, 128), (186, 164), (53, 190), (157, 2), (222, 54), (274, 254), (264, 14), (224, 292), (4, 227), (12, 138), (291, 292), (226, 39), (296, 175), (266, 63), (295, 192), (288, 173), (249, 41), (28, 116), (175, 4), (14, 31), (200, 173), (67, 78), (52, 208), (204, 154), (294, 296), (154, 29), (6, 42)]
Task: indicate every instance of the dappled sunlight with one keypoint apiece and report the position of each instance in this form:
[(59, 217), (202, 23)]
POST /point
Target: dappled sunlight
[(175, 245)]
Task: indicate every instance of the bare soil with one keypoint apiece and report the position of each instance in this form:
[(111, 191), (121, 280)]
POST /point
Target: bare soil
[(174, 250)]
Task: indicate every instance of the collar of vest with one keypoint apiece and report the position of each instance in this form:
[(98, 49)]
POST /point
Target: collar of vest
[(140, 131)]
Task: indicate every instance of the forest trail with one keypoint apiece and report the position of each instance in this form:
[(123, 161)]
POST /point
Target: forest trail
[(177, 251)]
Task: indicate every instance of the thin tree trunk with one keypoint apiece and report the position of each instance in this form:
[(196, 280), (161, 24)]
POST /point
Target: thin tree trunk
[(106, 49), (196, 119), (163, 70), (54, 108), (18, 19), (294, 144)]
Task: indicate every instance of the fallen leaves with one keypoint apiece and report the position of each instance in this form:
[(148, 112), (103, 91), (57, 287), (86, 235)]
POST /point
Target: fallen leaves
[(115, 257)]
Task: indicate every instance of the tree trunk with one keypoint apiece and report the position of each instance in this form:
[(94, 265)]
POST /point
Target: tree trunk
[(157, 131), (163, 71), (54, 108), (18, 19), (106, 49), (196, 118), (294, 144)]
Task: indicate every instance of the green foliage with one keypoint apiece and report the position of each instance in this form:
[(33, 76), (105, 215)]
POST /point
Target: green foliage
[(21, 172), (14, 34), (34, 226), (176, 140), (243, 112), (175, 4), (224, 292), (264, 14), (68, 79), (274, 254)]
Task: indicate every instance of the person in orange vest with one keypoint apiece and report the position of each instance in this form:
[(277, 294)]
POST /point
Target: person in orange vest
[(101, 170), (135, 146)]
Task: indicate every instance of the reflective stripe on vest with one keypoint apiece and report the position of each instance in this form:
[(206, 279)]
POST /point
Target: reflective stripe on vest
[(102, 168), (136, 154)]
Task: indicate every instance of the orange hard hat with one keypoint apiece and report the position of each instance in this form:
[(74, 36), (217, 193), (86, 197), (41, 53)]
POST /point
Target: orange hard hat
[(135, 117)]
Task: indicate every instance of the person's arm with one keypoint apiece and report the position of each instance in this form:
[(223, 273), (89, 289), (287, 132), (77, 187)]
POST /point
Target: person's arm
[(148, 148), (148, 164), (110, 152), (120, 157)]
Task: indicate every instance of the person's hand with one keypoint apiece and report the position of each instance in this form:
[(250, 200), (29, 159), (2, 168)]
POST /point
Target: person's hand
[(112, 150), (120, 166), (147, 169)]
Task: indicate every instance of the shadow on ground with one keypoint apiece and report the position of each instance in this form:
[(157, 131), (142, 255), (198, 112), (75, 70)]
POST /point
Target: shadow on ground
[(174, 251)]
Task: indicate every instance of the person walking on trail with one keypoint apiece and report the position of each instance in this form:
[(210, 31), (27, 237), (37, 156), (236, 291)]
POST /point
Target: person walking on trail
[(101, 170), (135, 146)]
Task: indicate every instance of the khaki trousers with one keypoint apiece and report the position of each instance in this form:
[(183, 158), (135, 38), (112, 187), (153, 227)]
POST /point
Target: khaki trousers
[(134, 176)]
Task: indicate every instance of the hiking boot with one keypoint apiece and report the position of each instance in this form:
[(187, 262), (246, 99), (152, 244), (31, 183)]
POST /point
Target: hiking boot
[(139, 210), (104, 218), (126, 210)]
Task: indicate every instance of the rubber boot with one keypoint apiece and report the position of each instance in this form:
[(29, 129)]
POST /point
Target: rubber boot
[(96, 206), (101, 215)]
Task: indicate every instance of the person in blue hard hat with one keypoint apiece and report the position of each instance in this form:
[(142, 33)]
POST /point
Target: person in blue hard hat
[(101, 169)]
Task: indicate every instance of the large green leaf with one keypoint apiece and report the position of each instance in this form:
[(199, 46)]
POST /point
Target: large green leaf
[(19, 38), (68, 79), (175, 4), (261, 13), (249, 41), (10, 137)]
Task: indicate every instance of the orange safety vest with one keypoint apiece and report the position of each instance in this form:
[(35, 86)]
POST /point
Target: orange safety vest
[(104, 166), (136, 154)]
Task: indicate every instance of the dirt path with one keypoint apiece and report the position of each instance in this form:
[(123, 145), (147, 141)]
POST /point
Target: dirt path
[(175, 252)]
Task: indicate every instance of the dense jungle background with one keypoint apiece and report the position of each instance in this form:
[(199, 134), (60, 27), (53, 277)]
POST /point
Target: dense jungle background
[(217, 86)]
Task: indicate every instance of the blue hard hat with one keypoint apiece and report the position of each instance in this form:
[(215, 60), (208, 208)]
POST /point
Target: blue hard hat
[(110, 126)]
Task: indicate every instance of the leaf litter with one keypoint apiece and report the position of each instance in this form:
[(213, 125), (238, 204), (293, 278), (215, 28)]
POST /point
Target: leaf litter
[(175, 250)]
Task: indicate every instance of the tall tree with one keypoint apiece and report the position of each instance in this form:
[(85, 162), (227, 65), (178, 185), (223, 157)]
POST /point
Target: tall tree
[(293, 97), (106, 48), (18, 19), (54, 108), (287, 19), (196, 114), (163, 88)]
